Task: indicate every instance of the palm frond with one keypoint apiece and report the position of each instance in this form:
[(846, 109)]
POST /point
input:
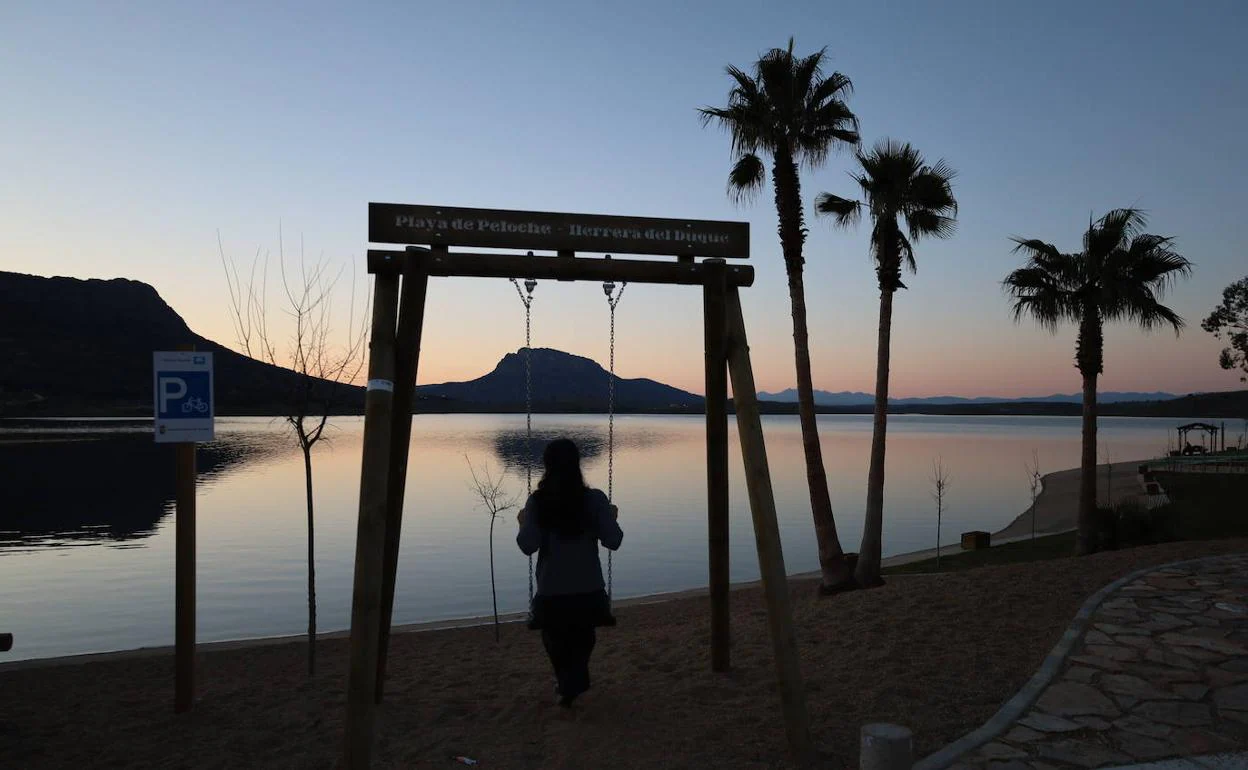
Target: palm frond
[(746, 178), (1151, 260), (932, 188), (1039, 295), (1150, 315), (1112, 231), (807, 75), (906, 249), (926, 223), (846, 212), (1036, 250), (833, 88)]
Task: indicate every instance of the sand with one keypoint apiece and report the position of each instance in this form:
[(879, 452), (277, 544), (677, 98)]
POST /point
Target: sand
[(938, 653), (1057, 507)]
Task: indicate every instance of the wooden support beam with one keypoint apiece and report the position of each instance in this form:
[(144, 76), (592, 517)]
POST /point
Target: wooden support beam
[(767, 536), (371, 532), (564, 268), (407, 359), (714, 299), (184, 574)]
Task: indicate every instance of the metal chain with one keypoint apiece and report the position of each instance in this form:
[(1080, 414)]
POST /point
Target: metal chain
[(527, 299), (613, 299)]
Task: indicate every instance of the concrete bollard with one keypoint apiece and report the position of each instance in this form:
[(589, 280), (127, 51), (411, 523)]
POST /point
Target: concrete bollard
[(886, 747)]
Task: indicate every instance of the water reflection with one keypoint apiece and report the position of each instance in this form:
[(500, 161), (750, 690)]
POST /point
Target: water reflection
[(112, 487), (517, 453)]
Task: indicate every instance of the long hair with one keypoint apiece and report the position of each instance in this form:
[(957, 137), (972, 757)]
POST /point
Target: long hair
[(561, 492)]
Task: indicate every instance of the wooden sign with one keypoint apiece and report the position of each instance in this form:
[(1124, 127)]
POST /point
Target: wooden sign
[(538, 230)]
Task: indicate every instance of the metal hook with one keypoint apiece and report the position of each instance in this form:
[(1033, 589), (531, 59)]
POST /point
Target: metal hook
[(530, 284)]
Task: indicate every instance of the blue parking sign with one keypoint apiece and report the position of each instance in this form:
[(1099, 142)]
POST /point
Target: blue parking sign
[(182, 391)]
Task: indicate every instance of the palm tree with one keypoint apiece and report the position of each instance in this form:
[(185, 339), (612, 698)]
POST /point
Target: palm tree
[(1120, 275), (896, 184), (789, 110)]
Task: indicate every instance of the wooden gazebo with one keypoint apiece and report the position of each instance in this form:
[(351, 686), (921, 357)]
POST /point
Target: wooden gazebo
[(1208, 434)]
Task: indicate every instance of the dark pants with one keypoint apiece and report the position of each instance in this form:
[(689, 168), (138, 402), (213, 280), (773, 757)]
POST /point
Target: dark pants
[(569, 648)]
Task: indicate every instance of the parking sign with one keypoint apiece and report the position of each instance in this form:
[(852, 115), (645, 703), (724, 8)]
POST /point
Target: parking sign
[(182, 388)]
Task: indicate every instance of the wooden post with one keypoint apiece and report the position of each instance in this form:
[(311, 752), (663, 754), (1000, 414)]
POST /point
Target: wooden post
[(407, 358), (767, 536), (370, 538), (184, 575), (714, 297), (6, 642)]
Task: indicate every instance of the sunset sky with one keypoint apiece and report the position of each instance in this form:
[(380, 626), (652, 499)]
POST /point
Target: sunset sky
[(131, 134)]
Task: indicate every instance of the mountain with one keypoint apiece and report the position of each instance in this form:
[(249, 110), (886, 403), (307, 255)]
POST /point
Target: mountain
[(856, 398), (84, 348), (71, 347), (562, 382)]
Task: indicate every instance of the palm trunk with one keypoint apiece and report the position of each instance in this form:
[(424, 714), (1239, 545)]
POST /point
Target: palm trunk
[(834, 573), (307, 473), (867, 573), (1088, 357), (1086, 540)]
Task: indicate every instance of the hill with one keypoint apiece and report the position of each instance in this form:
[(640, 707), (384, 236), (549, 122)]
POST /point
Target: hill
[(71, 347), (562, 382), (84, 348)]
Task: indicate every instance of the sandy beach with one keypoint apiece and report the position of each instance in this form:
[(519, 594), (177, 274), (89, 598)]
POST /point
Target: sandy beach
[(965, 640)]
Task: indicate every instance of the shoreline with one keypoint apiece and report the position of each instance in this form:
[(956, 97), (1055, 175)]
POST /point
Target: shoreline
[(1056, 509), (460, 692)]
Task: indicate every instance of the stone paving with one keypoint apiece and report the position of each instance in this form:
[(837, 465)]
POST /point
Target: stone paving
[(1162, 671)]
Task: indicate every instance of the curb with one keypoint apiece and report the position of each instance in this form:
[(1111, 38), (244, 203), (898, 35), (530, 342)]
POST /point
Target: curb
[(1044, 676)]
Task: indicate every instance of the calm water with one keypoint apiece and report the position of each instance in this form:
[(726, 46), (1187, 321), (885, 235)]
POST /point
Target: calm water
[(87, 531)]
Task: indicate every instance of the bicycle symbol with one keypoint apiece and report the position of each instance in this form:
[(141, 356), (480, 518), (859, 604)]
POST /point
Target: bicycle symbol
[(194, 404)]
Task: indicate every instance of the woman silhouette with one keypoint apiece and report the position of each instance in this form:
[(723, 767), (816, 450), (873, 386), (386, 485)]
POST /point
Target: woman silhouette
[(563, 521)]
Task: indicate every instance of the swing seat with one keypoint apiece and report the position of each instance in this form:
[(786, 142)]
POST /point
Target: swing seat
[(551, 611)]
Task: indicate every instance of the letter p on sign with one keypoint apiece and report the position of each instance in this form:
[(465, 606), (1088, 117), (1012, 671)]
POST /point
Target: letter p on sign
[(169, 389)]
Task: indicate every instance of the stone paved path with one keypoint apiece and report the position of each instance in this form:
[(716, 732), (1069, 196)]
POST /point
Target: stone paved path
[(1161, 672)]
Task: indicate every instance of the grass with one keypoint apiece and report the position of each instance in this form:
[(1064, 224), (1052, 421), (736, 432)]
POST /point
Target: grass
[(1208, 505), (1040, 549)]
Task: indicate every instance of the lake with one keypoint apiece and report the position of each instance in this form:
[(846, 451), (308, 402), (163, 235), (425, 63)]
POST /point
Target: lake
[(87, 529)]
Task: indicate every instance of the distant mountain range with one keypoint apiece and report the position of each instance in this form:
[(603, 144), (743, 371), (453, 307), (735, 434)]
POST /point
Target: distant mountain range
[(71, 347), (857, 398)]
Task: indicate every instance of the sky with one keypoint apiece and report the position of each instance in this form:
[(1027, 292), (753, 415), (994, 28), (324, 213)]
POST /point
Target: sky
[(133, 135)]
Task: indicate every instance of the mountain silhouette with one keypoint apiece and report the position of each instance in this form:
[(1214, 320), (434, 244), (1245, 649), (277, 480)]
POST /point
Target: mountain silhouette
[(858, 398), (84, 348), (71, 347), (561, 382)]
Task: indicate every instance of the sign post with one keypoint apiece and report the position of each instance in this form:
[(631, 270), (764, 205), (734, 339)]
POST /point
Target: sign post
[(182, 388)]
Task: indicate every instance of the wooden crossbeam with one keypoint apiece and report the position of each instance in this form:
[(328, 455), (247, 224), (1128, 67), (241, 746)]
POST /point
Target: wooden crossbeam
[(563, 268)]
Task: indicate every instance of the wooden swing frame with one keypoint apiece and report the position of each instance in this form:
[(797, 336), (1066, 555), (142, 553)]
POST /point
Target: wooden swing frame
[(400, 285)]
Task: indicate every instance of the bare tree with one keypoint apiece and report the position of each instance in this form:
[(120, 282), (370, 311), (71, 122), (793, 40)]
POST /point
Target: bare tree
[(495, 500), (1034, 481), (940, 483), (322, 359)]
